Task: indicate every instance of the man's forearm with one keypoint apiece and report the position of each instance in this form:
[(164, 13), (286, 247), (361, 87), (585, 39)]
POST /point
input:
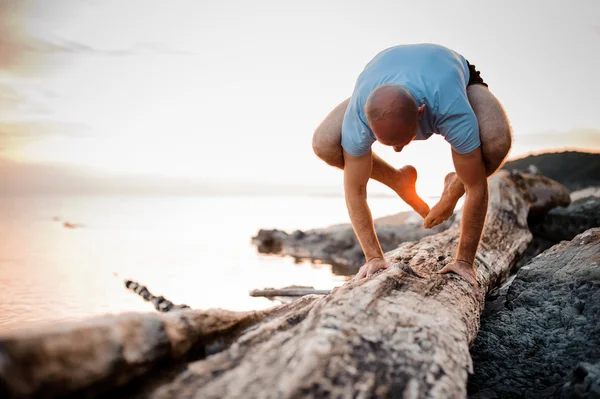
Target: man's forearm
[(473, 220), (362, 222)]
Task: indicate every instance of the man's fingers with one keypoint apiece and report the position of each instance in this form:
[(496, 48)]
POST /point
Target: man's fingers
[(375, 269), (369, 270), (361, 273), (445, 270)]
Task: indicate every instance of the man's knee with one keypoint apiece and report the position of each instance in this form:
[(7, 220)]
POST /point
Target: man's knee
[(505, 139), (319, 147), (327, 151), (497, 147)]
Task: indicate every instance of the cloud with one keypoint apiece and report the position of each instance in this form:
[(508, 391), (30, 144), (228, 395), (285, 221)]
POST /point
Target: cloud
[(14, 134), (10, 99), (23, 52)]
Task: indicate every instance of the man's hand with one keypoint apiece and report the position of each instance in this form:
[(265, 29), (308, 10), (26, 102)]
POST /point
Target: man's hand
[(370, 268), (463, 269)]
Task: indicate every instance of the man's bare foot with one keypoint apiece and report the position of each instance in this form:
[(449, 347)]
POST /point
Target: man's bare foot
[(406, 190), (444, 209), (463, 269)]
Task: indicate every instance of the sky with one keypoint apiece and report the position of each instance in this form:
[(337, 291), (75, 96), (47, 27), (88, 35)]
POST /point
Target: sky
[(226, 95)]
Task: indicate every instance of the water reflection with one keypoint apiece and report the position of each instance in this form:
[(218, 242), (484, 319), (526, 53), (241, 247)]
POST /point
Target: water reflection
[(192, 250)]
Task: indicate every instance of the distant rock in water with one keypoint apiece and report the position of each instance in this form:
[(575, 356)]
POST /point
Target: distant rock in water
[(69, 225), (338, 246), (544, 341), (573, 169)]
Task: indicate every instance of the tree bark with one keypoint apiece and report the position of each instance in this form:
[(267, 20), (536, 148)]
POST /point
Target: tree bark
[(404, 332)]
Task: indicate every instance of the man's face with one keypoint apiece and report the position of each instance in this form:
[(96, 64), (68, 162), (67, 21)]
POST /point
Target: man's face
[(395, 136), (404, 139)]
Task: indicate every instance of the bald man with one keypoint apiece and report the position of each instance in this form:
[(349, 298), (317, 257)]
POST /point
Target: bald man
[(408, 93)]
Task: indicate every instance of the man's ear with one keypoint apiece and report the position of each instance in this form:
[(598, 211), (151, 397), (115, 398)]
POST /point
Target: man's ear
[(421, 110)]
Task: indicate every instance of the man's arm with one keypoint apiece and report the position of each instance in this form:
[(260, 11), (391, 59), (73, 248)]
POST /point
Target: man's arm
[(470, 169), (357, 171)]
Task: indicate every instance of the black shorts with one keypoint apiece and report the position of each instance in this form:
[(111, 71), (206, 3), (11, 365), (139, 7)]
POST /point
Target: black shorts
[(475, 76)]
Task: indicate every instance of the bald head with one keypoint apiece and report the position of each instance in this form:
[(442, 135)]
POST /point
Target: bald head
[(392, 113)]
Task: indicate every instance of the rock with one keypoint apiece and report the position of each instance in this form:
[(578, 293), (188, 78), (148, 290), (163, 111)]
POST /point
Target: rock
[(586, 192), (269, 241), (549, 324), (584, 382), (533, 170), (575, 170), (565, 223)]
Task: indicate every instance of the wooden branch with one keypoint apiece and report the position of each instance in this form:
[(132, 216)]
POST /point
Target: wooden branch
[(287, 291), (160, 303), (91, 357)]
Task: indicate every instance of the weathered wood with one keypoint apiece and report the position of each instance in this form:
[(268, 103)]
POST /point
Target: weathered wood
[(287, 291), (337, 245), (102, 353), (404, 332), (160, 303)]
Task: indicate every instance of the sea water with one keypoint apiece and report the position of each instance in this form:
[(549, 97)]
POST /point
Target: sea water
[(194, 250)]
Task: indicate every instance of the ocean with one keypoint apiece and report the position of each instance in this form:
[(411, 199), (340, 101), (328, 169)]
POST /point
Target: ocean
[(194, 250)]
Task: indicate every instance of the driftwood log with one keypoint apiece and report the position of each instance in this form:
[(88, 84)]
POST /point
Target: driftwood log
[(293, 291), (85, 359), (402, 333), (337, 245)]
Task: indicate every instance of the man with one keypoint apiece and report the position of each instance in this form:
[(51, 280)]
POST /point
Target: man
[(408, 93)]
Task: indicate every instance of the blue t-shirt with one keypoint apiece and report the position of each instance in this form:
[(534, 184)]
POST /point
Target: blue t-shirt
[(436, 76)]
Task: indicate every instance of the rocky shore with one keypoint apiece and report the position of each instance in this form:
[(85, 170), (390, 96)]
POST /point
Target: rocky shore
[(573, 169), (544, 339)]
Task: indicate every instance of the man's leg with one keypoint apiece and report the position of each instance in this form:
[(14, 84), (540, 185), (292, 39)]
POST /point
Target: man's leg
[(496, 140), (327, 145)]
